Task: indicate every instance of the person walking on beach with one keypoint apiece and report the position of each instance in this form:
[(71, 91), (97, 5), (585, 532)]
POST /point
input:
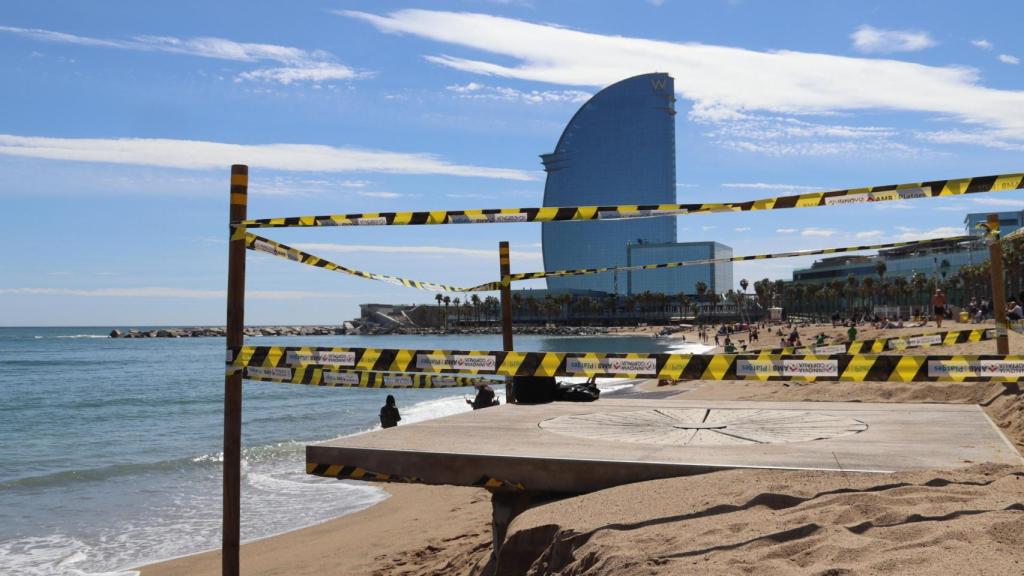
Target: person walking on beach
[(389, 415), (939, 307)]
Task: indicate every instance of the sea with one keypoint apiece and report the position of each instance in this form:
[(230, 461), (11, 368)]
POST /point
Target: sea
[(110, 449)]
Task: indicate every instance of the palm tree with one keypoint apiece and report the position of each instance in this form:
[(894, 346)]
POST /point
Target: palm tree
[(475, 300), (919, 282), (702, 289), (447, 300), (458, 310), (880, 269), (743, 286)]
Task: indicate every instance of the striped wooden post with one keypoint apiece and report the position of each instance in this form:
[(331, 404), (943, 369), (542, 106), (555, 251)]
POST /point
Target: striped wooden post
[(233, 380)]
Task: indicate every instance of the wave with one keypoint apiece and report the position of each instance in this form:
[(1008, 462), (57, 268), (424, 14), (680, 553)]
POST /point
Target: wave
[(79, 336)]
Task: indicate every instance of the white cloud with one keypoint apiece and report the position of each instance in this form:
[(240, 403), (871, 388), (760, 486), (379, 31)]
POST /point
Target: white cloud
[(766, 186), (742, 229), (986, 139), (871, 39), (868, 234), (912, 234), (315, 73), (298, 65), (982, 43), (1008, 59), (824, 232), (785, 230), (380, 194), (318, 248), (477, 91), (201, 155), (1005, 202), (165, 292), (715, 78)]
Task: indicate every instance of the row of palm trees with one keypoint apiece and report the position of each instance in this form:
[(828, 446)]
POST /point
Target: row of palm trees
[(848, 296)]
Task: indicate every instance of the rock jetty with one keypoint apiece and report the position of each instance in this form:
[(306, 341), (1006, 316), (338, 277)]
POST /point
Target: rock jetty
[(353, 328)]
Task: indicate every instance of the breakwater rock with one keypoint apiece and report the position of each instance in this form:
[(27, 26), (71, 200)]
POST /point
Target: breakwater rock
[(350, 328)]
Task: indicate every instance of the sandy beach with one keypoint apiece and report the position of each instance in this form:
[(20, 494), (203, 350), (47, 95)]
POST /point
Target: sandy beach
[(968, 520)]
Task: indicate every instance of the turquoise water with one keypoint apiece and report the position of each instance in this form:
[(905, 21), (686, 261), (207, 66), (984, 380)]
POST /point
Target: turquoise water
[(110, 453)]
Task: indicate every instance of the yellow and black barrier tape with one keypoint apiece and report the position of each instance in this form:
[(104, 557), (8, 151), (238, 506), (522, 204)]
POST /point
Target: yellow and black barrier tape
[(342, 472), (267, 246), (753, 366), (933, 189), (354, 379), (793, 254), (890, 343)]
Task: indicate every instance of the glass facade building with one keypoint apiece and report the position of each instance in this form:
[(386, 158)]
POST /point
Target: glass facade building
[(619, 148), (935, 262), (717, 277)]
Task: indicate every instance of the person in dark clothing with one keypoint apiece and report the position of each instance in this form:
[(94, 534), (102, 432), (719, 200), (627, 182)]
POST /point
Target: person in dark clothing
[(484, 398), (389, 415)]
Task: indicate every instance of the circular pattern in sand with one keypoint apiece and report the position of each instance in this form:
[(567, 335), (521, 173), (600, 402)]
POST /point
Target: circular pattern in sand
[(705, 426)]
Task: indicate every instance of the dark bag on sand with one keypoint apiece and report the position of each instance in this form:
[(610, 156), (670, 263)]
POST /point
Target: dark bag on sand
[(534, 389), (577, 392)]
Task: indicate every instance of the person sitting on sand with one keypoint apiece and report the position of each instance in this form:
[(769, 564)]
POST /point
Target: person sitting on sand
[(484, 398), (852, 333), (730, 348), (389, 415)]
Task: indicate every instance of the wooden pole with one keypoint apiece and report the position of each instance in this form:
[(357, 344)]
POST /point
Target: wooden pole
[(233, 381), (506, 310), (995, 254)]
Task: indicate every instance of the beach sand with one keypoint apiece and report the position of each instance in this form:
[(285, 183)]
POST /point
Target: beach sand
[(963, 521)]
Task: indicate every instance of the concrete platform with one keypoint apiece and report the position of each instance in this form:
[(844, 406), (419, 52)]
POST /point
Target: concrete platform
[(581, 447)]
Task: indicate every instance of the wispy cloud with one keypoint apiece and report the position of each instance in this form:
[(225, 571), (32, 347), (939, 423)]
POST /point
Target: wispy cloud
[(767, 186), (870, 39), (742, 229), (785, 230), (318, 248), (982, 43), (368, 194), (200, 155), (1008, 59), (824, 232), (165, 292), (295, 64), (786, 136), (1005, 202), (477, 91), (986, 139), (714, 78), (868, 234), (914, 234)]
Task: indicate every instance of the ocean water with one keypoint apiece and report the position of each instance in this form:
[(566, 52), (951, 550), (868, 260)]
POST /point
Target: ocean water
[(110, 448)]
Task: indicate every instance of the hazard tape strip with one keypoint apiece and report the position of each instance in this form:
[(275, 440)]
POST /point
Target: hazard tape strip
[(889, 344), (846, 367), (268, 246), (311, 376), (956, 187), (280, 250), (583, 271), (342, 472)]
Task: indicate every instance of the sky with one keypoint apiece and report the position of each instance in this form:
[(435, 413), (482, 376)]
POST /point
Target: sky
[(119, 121)]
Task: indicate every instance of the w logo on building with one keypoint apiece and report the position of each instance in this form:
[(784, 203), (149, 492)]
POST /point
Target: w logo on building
[(659, 83)]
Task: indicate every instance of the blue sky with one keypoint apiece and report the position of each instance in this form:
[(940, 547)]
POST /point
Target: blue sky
[(119, 120)]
